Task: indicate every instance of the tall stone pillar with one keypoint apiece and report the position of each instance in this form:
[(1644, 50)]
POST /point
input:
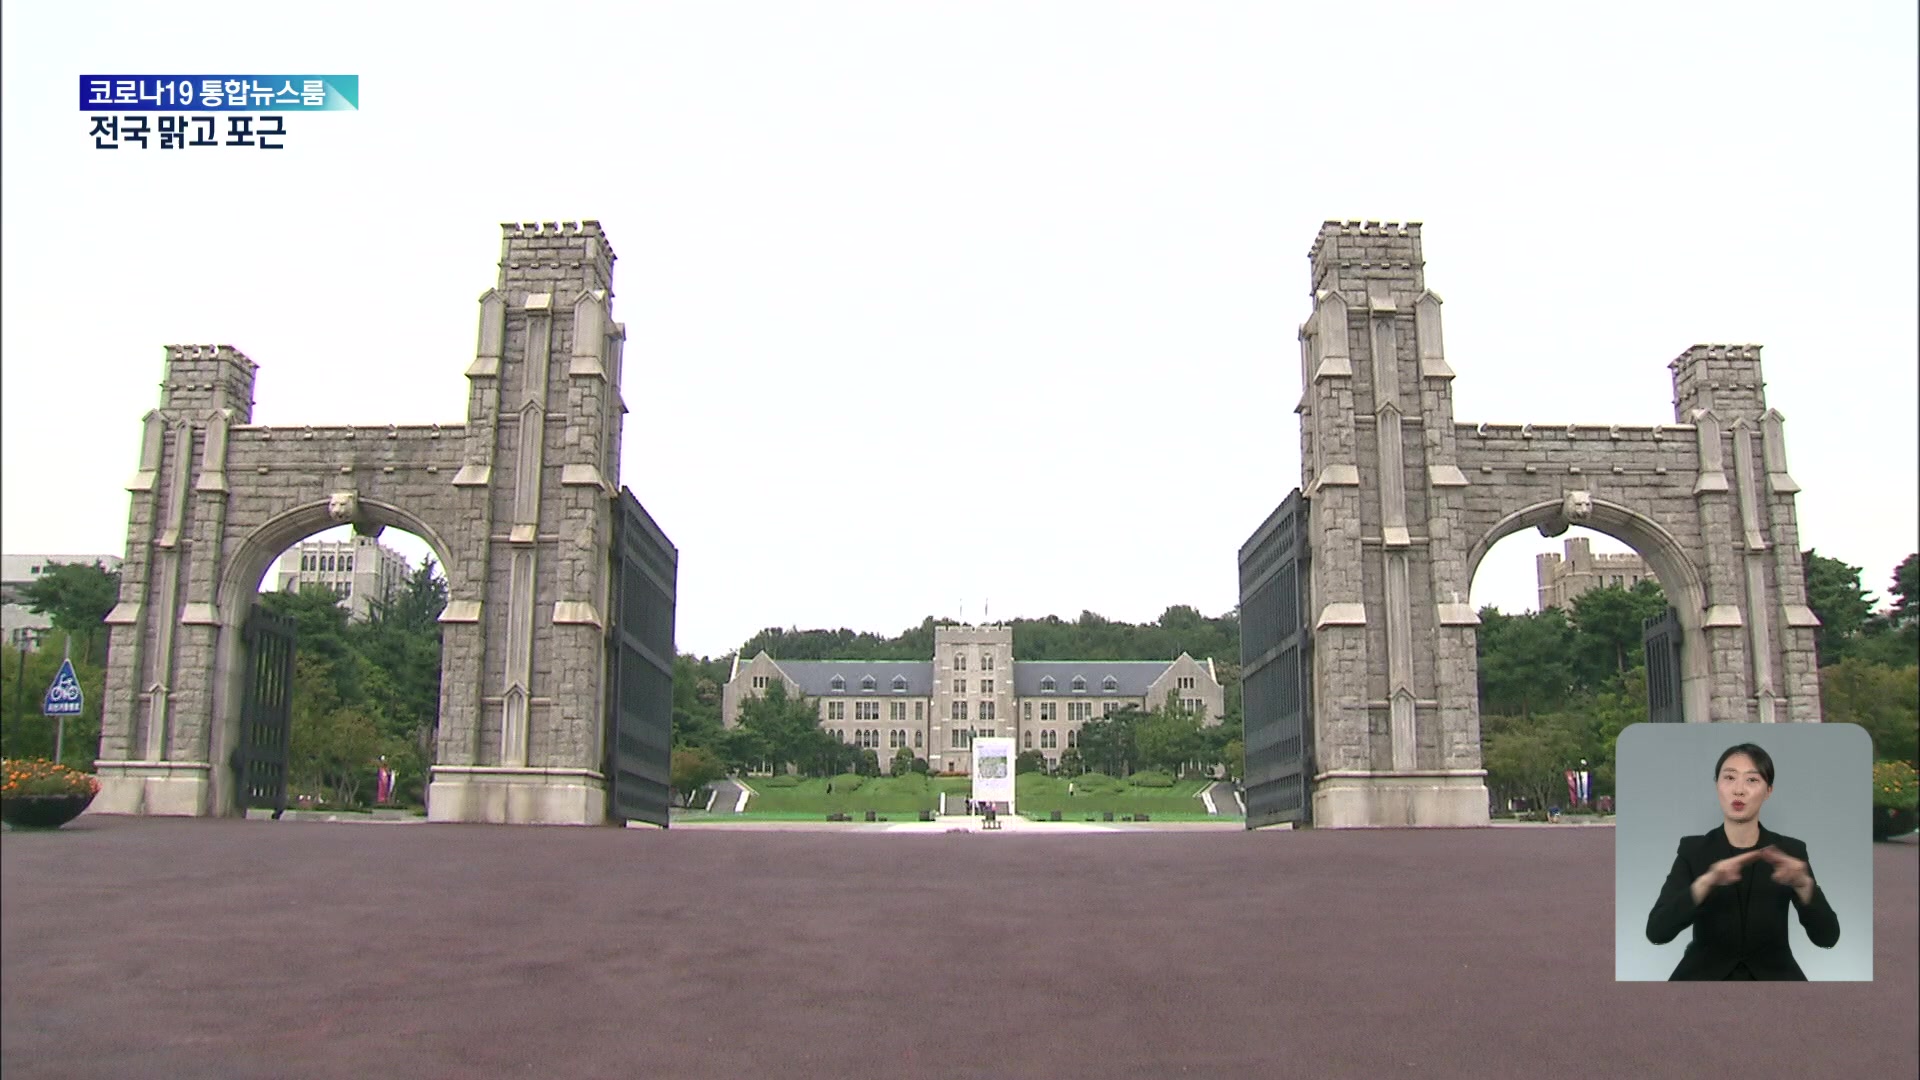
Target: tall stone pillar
[(1395, 705), (158, 748), (1758, 627), (524, 745)]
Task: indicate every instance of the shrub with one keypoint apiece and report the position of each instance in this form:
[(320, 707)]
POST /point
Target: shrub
[(1895, 786), (38, 776), (1150, 778), (846, 782), (783, 780)]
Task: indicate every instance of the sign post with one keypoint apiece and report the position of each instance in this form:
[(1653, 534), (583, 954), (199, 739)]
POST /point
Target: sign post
[(993, 771), (64, 698)]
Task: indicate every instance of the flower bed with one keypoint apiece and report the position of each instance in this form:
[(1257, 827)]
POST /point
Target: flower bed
[(40, 794), (1896, 794)]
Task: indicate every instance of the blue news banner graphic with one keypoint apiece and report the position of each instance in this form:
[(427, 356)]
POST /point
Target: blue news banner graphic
[(137, 96)]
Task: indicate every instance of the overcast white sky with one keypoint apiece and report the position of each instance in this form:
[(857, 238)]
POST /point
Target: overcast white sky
[(942, 303)]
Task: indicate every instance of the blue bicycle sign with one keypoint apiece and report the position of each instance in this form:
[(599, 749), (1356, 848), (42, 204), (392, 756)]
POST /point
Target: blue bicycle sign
[(64, 697)]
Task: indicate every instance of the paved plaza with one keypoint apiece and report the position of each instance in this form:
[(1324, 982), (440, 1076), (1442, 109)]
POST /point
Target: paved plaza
[(230, 948)]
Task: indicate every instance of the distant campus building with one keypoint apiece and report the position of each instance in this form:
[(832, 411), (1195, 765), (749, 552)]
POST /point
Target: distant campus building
[(23, 628), (972, 688), (1563, 579), (360, 571)]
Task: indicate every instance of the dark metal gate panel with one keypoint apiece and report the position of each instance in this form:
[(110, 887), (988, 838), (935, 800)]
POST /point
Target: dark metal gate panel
[(266, 712), (639, 727), (1662, 637), (1275, 688)]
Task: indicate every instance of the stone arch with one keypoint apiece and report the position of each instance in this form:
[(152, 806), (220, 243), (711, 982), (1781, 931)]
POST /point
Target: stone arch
[(1679, 578), (254, 554), (1402, 502), (515, 502), (249, 558)]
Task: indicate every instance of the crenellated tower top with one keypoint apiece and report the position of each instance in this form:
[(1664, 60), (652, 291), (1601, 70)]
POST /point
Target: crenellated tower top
[(1346, 254), (554, 256), (203, 377), (1724, 378)]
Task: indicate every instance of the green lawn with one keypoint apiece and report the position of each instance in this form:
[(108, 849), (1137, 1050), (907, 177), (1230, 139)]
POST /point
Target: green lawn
[(1036, 795)]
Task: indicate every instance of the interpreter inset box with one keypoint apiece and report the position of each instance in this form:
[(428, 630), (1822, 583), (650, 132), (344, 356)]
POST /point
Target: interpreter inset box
[(1743, 852)]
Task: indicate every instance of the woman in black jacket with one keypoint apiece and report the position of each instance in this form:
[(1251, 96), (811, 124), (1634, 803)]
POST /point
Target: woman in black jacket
[(1734, 885)]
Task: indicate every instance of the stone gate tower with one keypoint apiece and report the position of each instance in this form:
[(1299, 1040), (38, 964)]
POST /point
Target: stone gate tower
[(517, 502), (1404, 501)]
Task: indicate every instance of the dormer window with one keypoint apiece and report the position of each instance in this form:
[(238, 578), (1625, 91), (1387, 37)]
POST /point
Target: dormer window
[(838, 684), (1046, 685), (1079, 684), (899, 684), (1110, 685), (867, 684)]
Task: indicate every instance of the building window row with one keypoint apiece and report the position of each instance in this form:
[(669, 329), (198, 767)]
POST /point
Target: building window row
[(868, 684), (312, 562), (1107, 685)]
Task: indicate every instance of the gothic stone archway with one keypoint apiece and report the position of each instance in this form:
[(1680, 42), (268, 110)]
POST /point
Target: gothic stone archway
[(1403, 501), (517, 503)]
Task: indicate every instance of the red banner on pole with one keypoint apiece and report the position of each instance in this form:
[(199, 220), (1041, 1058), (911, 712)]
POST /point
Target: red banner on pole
[(1573, 787)]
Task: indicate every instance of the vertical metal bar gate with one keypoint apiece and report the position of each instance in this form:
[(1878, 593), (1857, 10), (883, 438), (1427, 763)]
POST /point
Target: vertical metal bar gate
[(1662, 638), (1275, 683), (266, 712), (639, 713)]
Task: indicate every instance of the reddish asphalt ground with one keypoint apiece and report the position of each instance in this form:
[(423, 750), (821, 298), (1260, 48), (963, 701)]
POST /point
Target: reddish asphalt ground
[(157, 948)]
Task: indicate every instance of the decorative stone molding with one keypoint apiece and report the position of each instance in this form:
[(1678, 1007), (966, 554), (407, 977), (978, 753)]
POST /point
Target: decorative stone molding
[(576, 612), (1722, 615), (1341, 614)]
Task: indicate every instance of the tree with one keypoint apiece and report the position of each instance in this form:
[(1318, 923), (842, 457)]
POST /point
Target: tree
[(1837, 600), (24, 732), (693, 769), (1071, 764), (1169, 738), (1609, 629), (1883, 700), (788, 727), (1107, 744), (1530, 758), (1906, 582), (902, 762), (1525, 661), (77, 597), (332, 746), (1030, 761)]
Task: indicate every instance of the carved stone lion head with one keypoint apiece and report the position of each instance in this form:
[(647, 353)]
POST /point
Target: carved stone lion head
[(343, 506), (1577, 506)]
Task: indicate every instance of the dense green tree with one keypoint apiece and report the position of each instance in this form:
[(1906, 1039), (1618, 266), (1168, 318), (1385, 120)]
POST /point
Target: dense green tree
[(76, 597), (1030, 761), (24, 732), (1107, 744), (1837, 600), (333, 745), (1883, 700), (1169, 738), (1609, 629), (1526, 661), (902, 762), (788, 729), (1906, 582), (694, 768)]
